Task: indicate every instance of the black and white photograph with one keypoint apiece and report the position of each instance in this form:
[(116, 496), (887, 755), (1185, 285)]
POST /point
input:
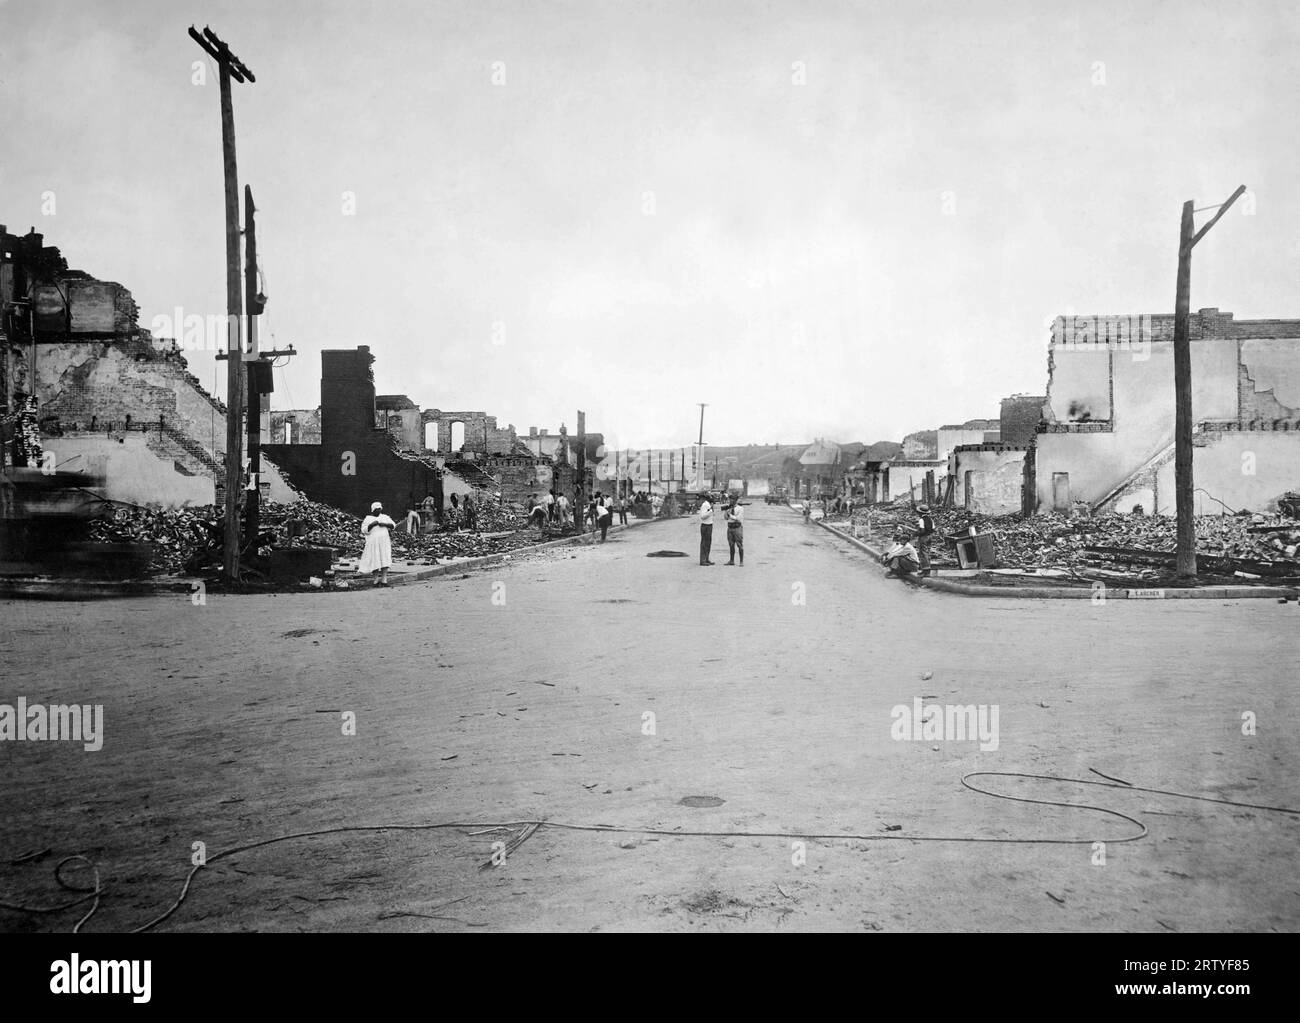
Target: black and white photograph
[(377, 378)]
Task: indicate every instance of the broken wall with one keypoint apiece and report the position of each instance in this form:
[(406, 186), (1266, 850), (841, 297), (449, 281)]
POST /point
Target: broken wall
[(1136, 424), (133, 472), (295, 426), (1020, 417), (990, 478), (480, 430), (1269, 380), (1238, 469), (949, 437), (81, 382)]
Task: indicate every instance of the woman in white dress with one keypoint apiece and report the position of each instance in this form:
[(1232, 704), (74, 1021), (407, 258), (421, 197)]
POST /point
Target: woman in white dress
[(379, 549)]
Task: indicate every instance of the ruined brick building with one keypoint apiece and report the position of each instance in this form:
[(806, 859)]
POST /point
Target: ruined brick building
[(359, 447), (1108, 433), (113, 401)]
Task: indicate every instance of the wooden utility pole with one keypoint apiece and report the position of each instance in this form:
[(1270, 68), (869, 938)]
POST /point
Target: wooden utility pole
[(580, 512), (255, 368), (699, 458), (252, 374), (229, 66), (1184, 485)]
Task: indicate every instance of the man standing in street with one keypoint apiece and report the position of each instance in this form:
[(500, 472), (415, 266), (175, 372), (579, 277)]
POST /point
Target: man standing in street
[(735, 517), (706, 529)]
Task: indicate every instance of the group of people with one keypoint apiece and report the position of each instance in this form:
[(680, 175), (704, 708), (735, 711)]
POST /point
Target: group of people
[(555, 507), (734, 516), (460, 513)]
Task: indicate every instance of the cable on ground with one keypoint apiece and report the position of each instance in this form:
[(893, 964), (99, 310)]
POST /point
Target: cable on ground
[(532, 826)]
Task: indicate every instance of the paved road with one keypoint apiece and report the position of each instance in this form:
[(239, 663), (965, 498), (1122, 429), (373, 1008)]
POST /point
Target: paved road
[(523, 691)]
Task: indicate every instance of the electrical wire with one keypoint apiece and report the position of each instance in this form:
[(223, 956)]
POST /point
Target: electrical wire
[(92, 894), (532, 825)]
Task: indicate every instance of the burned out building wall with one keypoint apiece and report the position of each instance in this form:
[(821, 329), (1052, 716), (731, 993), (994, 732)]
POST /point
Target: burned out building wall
[(295, 426), (355, 462), (990, 478), (1019, 420), (481, 435), (1109, 436)]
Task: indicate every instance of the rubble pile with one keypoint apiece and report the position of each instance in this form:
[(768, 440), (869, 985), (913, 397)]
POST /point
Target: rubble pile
[(1053, 540), (178, 538), (173, 536)]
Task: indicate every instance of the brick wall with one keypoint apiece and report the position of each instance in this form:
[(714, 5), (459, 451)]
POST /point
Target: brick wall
[(479, 426), (306, 426), (104, 382), (1020, 416), (355, 463)]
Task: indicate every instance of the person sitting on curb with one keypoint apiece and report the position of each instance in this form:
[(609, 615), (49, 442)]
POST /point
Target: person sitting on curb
[(901, 557)]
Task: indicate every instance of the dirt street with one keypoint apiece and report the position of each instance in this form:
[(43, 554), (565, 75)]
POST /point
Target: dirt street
[(597, 686)]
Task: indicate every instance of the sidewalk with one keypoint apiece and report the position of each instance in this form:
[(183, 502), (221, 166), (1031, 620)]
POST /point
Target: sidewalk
[(88, 589), (1097, 591)]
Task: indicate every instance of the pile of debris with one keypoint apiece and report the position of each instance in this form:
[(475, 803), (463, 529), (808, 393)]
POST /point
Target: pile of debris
[(187, 539), (174, 537), (1242, 544)]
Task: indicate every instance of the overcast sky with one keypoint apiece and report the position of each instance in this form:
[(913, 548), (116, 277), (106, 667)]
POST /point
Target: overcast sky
[(841, 219)]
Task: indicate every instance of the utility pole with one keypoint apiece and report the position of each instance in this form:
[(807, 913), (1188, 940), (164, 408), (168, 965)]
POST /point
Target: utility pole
[(229, 66), (258, 363), (1184, 487), (699, 458), (580, 512)]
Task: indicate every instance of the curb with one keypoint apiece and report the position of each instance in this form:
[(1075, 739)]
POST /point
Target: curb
[(1077, 592)]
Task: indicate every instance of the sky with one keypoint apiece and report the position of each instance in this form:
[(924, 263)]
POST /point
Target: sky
[(850, 220)]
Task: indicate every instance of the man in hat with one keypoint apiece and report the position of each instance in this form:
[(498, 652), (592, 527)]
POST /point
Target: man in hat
[(706, 528), (735, 530)]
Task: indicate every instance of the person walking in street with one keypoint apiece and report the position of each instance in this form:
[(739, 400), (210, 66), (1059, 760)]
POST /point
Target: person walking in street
[(622, 510), (735, 518), (378, 555), (706, 529)]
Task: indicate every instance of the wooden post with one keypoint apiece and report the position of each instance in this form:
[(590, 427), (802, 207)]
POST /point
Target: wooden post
[(1184, 485), (229, 66), (234, 347), (254, 394)]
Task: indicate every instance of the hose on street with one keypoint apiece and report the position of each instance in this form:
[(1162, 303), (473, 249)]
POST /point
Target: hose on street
[(531, 826)]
